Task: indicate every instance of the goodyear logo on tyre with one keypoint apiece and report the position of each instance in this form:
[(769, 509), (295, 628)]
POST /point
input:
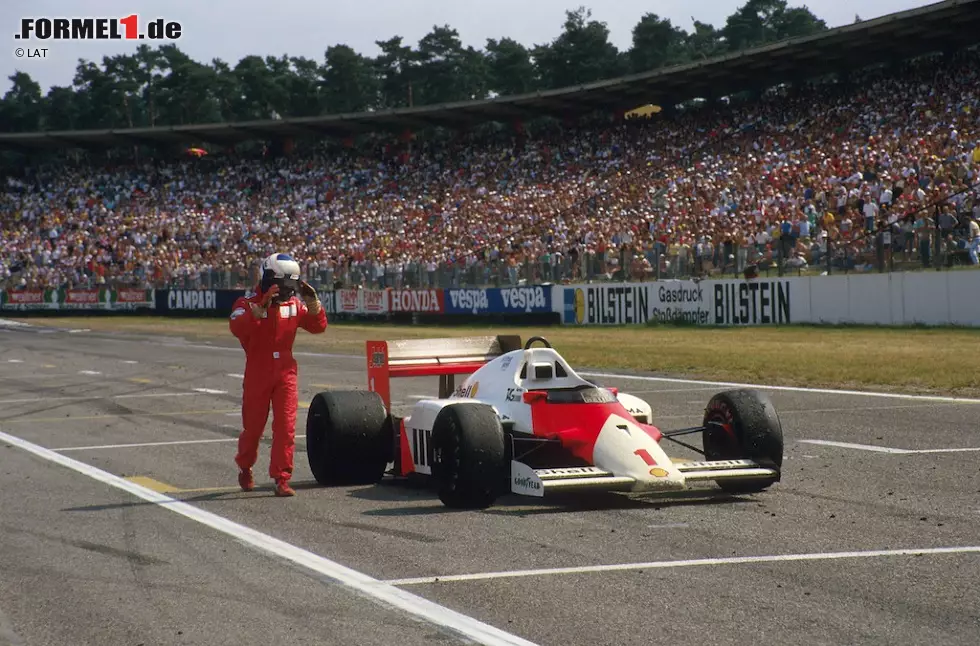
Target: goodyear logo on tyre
[(574, 302)]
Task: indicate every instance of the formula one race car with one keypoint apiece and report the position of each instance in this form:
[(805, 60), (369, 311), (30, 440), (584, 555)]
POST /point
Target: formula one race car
[(524, 422)]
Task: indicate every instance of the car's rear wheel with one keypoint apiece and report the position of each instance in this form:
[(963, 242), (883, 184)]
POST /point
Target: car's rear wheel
[(348, 437), (740, 425), (469, 461)]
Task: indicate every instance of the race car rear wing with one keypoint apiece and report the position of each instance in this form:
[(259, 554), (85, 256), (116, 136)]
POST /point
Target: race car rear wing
[(444, 358)]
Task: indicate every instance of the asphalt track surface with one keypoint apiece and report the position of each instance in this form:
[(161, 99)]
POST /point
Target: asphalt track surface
[(86, 561)]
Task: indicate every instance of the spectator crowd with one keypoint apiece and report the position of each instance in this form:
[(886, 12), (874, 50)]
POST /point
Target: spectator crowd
[(843, 175)]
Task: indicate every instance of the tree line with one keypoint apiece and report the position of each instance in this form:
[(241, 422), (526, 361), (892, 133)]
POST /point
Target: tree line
[(164, 86)]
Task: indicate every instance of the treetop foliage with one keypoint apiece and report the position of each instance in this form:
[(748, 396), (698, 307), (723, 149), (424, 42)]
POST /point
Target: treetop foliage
[(164, 86)]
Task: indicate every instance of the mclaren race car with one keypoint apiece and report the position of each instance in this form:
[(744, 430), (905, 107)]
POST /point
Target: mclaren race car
[(524, 422)]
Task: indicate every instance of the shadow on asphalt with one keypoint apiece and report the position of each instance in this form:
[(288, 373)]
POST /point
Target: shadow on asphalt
[(412, 493), (519, 506)]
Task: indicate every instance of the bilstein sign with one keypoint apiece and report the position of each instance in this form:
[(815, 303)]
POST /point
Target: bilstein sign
[(752, 303), (607, 304), (709, 302)]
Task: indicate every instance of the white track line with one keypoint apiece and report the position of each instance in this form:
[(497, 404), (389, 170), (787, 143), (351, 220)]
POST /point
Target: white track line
[(209, 391), (144, 444), (127, 446), (964, 450), (735, 560), (89, 372), (94, 397), (809, 411), (798, 389), (368, 586), (14, 361), (851, 445), (235, 376), (885, 449)]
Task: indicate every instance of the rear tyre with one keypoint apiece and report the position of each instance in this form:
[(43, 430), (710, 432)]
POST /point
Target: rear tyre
[(468, 463), (740, 425), (348, 437)]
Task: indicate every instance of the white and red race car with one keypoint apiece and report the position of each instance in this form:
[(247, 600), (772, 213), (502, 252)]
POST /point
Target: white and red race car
[(524, 422)]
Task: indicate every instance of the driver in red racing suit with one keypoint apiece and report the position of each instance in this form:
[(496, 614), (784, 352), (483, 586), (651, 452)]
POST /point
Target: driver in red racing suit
[(265, 325)]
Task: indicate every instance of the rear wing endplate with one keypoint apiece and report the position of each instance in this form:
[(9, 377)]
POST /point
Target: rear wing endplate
[(444, 358)]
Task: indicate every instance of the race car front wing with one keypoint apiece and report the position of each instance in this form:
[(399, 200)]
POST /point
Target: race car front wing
[(536, 482)]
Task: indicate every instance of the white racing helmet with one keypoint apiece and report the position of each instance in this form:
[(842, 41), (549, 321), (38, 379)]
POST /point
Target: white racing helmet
[(280, 269)]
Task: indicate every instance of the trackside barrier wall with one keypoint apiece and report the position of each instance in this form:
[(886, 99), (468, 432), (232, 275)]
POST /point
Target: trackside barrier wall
[(928, 298), (925, 297), (100, 299)]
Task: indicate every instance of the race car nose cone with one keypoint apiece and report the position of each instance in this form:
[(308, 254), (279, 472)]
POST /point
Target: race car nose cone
[(625, 449)]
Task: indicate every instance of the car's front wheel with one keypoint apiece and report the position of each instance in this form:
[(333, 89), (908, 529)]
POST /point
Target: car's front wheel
[(740, 425)]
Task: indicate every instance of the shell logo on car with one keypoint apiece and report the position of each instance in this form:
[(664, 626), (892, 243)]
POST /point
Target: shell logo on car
[(467, 392)]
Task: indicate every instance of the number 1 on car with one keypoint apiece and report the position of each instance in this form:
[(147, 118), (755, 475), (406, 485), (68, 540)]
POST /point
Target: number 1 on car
[(645, 455)]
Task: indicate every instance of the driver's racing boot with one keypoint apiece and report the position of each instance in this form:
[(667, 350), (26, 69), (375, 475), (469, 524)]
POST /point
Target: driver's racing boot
[(245, 479), (283, 489)]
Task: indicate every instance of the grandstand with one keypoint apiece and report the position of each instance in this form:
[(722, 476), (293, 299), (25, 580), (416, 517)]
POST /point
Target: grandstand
[(816, 169)]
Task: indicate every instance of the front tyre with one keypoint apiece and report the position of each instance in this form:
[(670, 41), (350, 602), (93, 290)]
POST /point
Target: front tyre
[(744, 425), (348, 437), (469, 460)]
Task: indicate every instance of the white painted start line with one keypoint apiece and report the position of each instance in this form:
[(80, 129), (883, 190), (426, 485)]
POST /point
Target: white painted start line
[(235, 375), (732, 560), (886, 449), (210, 391), (89, 372), (15, 361), (368, 586), (798, 389)]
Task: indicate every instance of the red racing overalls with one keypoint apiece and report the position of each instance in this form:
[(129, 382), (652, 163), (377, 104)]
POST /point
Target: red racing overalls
[(270, 377)]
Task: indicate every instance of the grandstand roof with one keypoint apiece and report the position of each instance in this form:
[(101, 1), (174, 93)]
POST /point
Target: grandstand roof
[(951, 24)]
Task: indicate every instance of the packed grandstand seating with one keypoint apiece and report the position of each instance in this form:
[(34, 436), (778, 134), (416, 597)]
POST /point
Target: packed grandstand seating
[(847, 177)]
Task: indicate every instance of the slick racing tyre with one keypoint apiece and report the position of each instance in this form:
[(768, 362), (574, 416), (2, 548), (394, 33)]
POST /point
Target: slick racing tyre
[(348, 437), (743, 425), (468, 459)]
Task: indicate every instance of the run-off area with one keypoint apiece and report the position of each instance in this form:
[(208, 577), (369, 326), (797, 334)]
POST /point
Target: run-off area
[(122, 522)]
